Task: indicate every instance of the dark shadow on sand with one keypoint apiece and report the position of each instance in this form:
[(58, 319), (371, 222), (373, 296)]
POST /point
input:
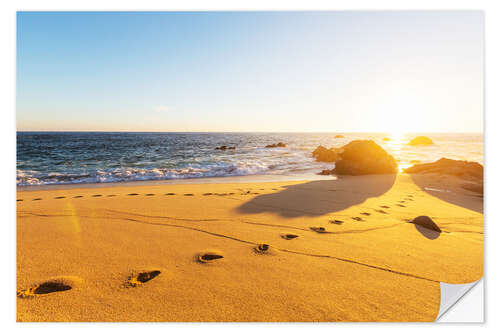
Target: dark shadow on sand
[(427, 233), (441, 188), (320, 197)]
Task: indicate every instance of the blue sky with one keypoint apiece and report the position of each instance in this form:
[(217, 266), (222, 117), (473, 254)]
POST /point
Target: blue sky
[(251, 71)]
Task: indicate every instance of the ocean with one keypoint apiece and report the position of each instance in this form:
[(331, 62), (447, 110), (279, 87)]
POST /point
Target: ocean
[(45, 158)]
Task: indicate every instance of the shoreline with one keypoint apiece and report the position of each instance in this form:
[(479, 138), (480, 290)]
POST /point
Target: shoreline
[(264, 178)]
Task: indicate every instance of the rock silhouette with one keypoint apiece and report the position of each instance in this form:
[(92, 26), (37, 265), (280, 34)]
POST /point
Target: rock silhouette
[(420, 140)]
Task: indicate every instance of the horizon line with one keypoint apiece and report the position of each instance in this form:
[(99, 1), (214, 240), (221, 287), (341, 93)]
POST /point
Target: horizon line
[(128, 131)]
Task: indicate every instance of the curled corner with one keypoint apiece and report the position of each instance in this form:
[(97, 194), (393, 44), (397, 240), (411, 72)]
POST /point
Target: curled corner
[(451, 294)]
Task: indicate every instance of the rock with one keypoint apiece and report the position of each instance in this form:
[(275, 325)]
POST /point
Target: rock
[(362, 157), (339, 136), (462, 169), (327, 172), (420, 140), (426, 222), (326, 155), (277, 145), (224, 148)]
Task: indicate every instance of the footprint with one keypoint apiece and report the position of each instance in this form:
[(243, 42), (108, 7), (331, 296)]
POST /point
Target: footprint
[(409, 195), (150, 194), (381, 211), (59, 197), (188, 194), (97, 195), (384, 206), (402, 201), (209, 193), (263, 249), (138, 279), (133, 194), (77, 196), (207, 257), (409, 199), (261, 189), (320, 230), (338, 222), (357, 218), (51, 286), (232, 193), (365, 213), (289, 236), (400, 205), (170, 193), (19, 200), (36, 199), (111, 195)]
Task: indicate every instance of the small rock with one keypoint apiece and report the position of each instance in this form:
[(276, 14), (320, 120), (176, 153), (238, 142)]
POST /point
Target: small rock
[(426, 222), (325, 155), (420, 140), (327, 172), (224, 148), (276, 145)]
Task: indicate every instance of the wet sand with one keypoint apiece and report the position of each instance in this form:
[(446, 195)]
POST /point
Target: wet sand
[(314, 250)]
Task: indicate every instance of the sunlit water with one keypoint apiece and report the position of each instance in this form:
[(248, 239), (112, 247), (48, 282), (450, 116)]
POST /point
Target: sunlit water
[(69, 158)]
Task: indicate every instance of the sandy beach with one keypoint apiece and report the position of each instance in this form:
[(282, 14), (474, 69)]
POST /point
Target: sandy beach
[(194, 252)]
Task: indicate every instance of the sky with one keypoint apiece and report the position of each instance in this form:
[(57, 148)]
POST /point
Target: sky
[(327, 71)]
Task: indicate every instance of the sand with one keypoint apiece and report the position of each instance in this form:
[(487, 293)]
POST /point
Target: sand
[(190, 252)]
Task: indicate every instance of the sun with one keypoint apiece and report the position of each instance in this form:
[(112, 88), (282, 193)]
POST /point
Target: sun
[(397, 136)]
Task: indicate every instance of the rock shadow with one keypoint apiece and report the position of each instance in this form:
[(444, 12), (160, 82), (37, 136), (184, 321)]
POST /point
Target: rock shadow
[(320, 197), (449, 189), (427, 233)]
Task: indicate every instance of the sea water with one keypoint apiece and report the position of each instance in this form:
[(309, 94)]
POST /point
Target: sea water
[(101, 157)]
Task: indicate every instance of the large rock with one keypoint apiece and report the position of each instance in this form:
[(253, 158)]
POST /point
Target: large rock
[(420, 140), (462, 169), (326, 155), (363, 157)]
